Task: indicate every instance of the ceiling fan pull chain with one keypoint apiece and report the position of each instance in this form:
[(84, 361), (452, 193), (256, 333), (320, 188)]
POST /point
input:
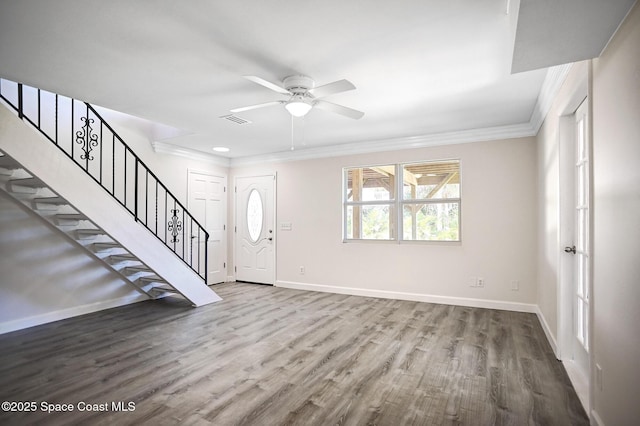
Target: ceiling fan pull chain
[(292, 148)]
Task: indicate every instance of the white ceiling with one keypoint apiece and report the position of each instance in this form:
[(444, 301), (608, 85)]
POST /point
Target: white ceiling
[(555, 32), (421, 67)]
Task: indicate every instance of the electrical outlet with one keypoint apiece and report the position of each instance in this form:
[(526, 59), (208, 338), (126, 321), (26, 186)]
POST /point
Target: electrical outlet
[(302, 270), (480, 282), (515, 285)]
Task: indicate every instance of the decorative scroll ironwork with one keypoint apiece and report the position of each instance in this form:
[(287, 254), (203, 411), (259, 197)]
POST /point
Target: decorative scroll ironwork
[(86, 138), (175, 226)]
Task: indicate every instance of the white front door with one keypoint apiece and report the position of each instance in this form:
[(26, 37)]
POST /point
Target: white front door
[(255, 232), (581, 249), (208, 204)]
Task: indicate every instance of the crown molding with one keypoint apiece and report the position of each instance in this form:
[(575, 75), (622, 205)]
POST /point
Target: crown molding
[(192, 154), (393, 144), (552, 83)]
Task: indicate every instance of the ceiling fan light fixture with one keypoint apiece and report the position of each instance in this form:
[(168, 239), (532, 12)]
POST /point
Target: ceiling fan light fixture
[(298, 107)]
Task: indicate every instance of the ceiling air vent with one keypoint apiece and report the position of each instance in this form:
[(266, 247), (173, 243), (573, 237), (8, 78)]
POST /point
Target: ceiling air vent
[(235, 119)]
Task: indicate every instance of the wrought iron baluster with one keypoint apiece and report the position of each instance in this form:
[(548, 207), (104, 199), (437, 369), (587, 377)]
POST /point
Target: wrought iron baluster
[(101, 156), (174, 226), (72, 117), (87, 139), (206, 256), (146, 197), (156, 206), (113, 164), (124, 184), (20, 106), (191, 243), (135, 192), (56, 120), (183, 239)]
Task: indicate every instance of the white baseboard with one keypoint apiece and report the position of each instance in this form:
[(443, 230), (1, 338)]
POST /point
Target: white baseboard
[(22, 323), (579, 381), (415, 297), (547, 332)]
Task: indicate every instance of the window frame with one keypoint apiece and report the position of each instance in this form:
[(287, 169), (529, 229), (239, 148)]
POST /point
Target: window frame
[(398, 203)]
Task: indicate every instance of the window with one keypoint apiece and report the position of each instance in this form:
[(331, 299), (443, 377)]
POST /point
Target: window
[(422, 206)]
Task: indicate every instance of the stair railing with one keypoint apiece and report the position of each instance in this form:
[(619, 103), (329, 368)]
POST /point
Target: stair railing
[(77, 129)]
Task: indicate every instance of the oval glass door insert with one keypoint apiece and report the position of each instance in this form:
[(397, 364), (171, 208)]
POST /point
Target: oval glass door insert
[(254, 215)]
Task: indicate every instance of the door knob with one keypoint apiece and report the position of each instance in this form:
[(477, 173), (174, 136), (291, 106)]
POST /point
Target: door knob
[(571, 249)]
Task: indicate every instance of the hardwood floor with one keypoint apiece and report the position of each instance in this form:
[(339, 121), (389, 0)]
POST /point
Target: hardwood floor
[(273, 356)]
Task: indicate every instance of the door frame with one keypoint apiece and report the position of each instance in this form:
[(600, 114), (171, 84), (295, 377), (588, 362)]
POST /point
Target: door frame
[(225, 242), (274, 175)]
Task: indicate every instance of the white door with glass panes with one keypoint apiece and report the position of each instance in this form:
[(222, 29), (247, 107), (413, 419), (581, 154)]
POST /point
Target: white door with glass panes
[(255, 231), (580, 251)]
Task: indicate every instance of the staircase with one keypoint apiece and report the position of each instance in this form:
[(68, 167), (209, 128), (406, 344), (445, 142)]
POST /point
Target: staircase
[(99, 195)]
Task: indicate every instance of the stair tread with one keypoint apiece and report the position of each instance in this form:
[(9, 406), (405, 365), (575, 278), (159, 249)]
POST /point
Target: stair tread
[(71, 216), (157, 291), (91, 231), (123, 257), (51, 200), (9, 163), (138, 268), (7, 171), (107, 244), (164, 287), (151, 278), (30, 182)]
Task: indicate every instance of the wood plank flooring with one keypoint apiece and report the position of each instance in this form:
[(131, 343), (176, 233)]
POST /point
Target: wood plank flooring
[(273, 356)]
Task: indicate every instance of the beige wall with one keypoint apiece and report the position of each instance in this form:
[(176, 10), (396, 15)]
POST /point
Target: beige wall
[(616, 239), (498, 227)]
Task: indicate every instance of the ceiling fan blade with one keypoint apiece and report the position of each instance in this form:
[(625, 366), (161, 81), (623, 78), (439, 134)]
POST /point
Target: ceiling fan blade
[(267, 84), (339, 109), (331, 88), (266, 104)]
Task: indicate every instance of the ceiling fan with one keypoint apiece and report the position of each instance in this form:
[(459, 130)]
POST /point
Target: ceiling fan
[(304, 95)]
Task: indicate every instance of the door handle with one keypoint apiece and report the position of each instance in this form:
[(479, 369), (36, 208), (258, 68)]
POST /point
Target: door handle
[(571, 249)]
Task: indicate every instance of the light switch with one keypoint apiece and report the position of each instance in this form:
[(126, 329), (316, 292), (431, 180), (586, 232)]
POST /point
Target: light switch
[(285, 226)]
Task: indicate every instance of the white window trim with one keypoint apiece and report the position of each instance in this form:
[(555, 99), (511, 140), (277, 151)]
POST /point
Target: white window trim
[(398, 202)]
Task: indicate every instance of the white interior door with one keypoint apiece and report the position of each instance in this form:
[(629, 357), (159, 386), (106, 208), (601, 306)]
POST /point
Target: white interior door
[(255, 232), (581, 249), (208, 204)]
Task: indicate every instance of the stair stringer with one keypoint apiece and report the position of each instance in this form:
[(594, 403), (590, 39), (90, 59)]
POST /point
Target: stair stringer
[(42, 158)]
